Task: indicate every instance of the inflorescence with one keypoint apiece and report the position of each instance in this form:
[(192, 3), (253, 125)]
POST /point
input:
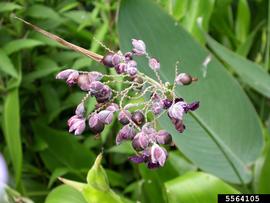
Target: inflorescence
[(138, 119)]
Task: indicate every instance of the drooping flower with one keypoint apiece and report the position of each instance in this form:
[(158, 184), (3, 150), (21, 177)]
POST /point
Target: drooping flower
[(121, 68), (105, 116), (126, 133), (96, 126), (102, 92), (107, 60), (157, 106), (158, 155), (154, 64), (177, 110), (139, 47), (63, 75), (178, 124), (131, 68), (77, 124), (116, 59)]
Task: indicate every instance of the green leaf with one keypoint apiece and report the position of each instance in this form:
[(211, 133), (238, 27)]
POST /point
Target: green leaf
[(223, 136), (197, 187), (12, 131), (41, 11), (19, 44), (196, 9), (57, 173), (8, 6), (65, 194), (250, 72), (6, 65), (242, 21), (59, 143), (97, 176)]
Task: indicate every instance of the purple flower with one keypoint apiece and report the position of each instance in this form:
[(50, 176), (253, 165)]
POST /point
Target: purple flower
[(193, 106), (105, 116), (126, 133), (138, 117), (121, 68), (113, 107), (96, 126), (80, 110), (177, 110), (69, 75), (102, 92), (154, 64), (157, 106), (183, 79), (132, 68), (116, 59), (163, 137), (138, 47), (3, 173), (140, 141), (124, 117), (148, 129), (128, 56), (77, 124), (107, 60), (158, 155), (85, 80), (167, 103)]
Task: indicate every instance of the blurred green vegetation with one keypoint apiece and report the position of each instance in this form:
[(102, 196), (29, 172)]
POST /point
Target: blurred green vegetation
[(34, 107)]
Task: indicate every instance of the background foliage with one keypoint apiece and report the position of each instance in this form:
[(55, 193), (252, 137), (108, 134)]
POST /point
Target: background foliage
[(227, 138)]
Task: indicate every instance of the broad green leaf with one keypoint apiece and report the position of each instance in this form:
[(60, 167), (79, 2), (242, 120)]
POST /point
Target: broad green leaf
[(8, 6), (6, 65), (198, 9), (57, 173), (59, 143), (250, 72), (65, 193), (196, 187), (19, 44), (264, 179), (242, 21), (12, 131), (223, 136), (179, 9), (41, 11), (153, 189)]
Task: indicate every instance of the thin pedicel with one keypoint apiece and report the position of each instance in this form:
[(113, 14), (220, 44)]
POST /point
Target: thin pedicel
[(138, 119)]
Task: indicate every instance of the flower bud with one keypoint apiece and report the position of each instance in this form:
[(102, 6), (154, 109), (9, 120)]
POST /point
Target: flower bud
[(154, 64), (105, 116), (131, 70), (104, 95), (76, 124), (158, 155), (128, 56), (121, 68), (148, 129), (163, 137), (107, 60), (138, 118), (138, 47), (96, 126), (124, 117), (126, 133), (113, 107), (157, 106), (183, 79), (116, 59), (95, 87), (80, 110), (140, 141)]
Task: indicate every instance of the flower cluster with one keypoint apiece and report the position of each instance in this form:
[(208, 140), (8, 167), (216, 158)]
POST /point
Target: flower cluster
[(138, 119)]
